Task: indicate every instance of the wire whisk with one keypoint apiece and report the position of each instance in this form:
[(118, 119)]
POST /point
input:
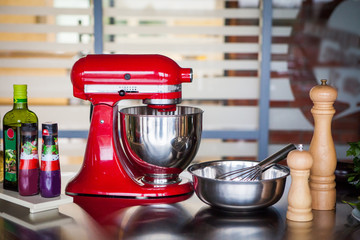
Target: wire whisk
[(254, 172)]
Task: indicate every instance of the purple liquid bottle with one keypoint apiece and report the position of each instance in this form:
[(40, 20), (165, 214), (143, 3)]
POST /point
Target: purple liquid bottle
[(50, 178), (29, 160)]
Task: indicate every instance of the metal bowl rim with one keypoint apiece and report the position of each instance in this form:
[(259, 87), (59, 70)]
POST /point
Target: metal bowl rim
[(198, 111), (190, 169)]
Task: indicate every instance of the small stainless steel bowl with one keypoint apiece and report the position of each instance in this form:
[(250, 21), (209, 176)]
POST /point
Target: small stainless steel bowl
[(237, 195)]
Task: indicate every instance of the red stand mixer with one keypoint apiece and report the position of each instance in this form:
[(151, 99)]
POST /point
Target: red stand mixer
[(157, 141)]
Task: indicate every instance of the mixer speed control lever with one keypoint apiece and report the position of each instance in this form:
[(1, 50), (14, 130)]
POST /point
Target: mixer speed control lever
[(122, 93)]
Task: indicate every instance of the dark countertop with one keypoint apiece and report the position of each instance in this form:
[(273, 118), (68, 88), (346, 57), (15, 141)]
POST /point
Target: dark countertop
[(190, 219)]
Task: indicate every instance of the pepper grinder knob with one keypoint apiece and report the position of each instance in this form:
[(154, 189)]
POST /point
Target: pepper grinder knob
[(322, 149), (299, 196)]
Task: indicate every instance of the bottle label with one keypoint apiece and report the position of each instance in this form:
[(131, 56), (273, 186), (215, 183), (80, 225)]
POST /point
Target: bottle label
[(50, 157), (29, 158), (20, 100), (10, 135)]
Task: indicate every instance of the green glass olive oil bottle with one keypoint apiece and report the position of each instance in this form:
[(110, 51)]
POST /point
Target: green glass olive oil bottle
[(11, 135)]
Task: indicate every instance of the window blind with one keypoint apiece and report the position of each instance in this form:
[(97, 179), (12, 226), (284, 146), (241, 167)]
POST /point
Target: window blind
[(195, 35)]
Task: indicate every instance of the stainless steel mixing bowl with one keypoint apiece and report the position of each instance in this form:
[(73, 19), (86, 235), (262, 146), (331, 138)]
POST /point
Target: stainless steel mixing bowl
[(161, 143), (237, 195)]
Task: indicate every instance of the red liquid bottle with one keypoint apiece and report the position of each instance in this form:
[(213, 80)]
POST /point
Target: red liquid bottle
[(29, 160), (50, 178)]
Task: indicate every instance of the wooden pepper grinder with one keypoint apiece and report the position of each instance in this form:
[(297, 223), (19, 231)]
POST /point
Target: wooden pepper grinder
[(299, 197), (322, 149)]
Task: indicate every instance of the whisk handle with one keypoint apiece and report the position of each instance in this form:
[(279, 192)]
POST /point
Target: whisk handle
[(278, 156)]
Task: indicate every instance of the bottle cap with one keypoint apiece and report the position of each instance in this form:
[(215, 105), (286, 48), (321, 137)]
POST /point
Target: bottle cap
[(49, 128), (20, 91)]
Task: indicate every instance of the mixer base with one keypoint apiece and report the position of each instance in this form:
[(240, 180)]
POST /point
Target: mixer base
[(170, 193), (140, 200)]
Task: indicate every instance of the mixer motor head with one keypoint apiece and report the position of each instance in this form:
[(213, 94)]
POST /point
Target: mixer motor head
[(109, 78)]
